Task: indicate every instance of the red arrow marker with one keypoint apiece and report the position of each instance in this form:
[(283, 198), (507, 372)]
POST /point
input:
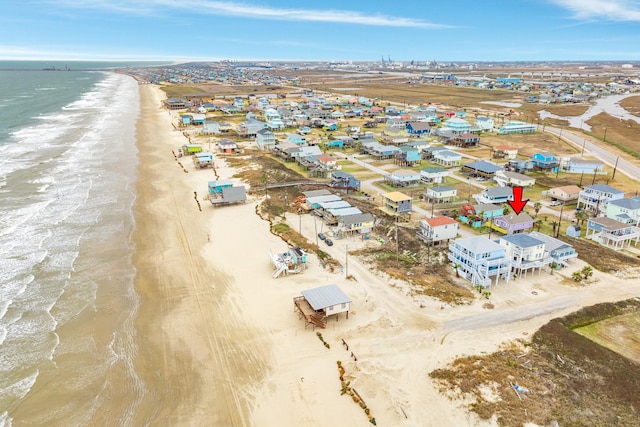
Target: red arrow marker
[(517, 204)]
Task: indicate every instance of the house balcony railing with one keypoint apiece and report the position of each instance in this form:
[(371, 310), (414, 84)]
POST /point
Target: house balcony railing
[(524, 264)]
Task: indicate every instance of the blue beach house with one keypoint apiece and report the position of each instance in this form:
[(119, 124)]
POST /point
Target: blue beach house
[(215, 187), (545, 160)]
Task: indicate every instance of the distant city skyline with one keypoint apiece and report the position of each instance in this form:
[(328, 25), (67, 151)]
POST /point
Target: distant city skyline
[(203, 30)]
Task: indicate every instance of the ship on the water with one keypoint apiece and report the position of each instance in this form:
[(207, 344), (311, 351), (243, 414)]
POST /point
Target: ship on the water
[(66, 68)]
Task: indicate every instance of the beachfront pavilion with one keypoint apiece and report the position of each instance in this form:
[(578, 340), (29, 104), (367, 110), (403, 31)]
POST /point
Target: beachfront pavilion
[(317, 304)]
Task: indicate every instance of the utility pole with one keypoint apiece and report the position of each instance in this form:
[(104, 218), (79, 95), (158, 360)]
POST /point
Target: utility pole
[(286, 201), (584, 141), (604, 138), (315, 225), (615, 168), (346, 269), (397, 246), (491, 226), (560, 220)]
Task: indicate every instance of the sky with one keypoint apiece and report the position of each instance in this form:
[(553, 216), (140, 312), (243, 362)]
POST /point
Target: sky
[(419, 30)]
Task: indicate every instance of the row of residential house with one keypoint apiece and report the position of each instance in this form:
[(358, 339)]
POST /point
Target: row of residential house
[(344, 219), (485, 262), (616, 218)]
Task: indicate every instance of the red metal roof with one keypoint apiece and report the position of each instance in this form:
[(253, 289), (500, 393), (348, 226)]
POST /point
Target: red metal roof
[(440, 220)]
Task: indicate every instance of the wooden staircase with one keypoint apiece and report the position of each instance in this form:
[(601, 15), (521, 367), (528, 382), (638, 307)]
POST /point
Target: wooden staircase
[(318, 319)]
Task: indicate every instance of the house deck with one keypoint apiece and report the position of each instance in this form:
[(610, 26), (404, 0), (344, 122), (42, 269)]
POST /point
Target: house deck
[(311, 316)]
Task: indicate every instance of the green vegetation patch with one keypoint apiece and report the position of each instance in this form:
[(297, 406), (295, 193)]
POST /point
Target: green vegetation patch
[(619, 333), (560, 376)]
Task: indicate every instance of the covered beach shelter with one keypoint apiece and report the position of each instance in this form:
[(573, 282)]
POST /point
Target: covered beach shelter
[(317, 304)]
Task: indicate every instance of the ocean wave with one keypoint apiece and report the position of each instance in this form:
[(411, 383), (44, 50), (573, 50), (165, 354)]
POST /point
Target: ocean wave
[(5, 419), (10, 220), (21, 387), (70, 238)]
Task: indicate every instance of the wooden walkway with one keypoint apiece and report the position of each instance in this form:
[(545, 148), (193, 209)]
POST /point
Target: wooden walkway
[(291, 184)]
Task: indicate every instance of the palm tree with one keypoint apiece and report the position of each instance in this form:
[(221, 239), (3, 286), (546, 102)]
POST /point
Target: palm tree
[(536, 207), (577, 276), (456, 267), (455, 213), (554, 224), (582, 216), (505, 209), (480, 216), (537, 223), (587, 271)]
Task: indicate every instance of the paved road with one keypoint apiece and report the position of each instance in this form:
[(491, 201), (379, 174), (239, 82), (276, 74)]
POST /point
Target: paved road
[(518, 314), (597, 151), (369, 187)]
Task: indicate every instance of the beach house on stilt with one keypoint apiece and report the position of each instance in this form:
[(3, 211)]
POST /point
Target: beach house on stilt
[(317, 304)]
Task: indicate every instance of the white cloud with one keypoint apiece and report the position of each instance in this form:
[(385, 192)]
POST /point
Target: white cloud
[(247, 10), (12, 52), (614, 10)]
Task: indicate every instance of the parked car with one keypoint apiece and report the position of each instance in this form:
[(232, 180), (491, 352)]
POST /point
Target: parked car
[(322, 236), (329, 242)]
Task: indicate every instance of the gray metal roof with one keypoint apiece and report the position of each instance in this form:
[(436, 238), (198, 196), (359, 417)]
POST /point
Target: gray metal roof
[(344, 212), (234, 194), (522, 240), (356, 219), (604, 188), (325, 296), (442, 188), (315, 193), (323, 198), (608, 224), (341, 174), (499, 191), (484, 166), (447, 153), (335, 204), (627, 203), (433, 169), (551, 243), (478, 244), (484, 207), (521, 218)]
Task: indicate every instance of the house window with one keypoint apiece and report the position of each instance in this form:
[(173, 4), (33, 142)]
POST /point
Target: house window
[(343, 305)]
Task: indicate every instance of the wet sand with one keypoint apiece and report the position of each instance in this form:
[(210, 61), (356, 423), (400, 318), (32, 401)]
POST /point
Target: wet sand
[(189, 342)]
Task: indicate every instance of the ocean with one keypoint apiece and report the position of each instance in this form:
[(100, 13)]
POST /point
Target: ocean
[(67, 173)]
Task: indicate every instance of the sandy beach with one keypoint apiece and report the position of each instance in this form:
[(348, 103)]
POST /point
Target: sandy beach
[(218, 340)]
